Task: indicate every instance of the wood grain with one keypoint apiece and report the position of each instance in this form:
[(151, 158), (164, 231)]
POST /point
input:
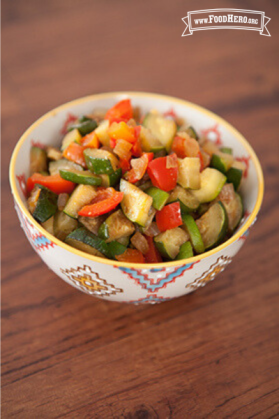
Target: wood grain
[(211, 354)]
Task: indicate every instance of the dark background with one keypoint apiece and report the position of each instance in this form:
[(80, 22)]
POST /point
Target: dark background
[(211, 354)]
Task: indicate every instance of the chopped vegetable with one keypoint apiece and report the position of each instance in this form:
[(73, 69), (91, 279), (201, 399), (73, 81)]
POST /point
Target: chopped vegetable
[(55, 183), (140, 185), (169, 217), (160, 176)]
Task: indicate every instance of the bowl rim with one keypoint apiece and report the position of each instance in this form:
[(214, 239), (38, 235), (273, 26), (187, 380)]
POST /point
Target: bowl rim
[(171, 99)]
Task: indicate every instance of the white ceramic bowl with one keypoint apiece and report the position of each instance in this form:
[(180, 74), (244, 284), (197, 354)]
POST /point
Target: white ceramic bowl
[(124, 282)]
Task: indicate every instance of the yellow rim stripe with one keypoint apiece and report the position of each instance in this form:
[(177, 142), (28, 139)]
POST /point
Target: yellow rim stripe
[(171, 100)]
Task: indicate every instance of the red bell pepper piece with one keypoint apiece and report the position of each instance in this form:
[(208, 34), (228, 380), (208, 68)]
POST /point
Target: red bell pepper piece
[(139, 167), (105, 201), (160, 176), (153, 255), (131, 256), (169, 217), (124, 164), (122, 111), (178, 147), (74, 152), (55, 183)]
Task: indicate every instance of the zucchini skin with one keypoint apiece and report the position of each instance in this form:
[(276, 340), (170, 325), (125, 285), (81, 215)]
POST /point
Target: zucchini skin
[(193, 232), (116, 248), (84, 125), (98, 161), (159, 197), (111, 179), (222, 231), (84, 236), (82, 178), (185, 251), (46, 205), (234, 176)]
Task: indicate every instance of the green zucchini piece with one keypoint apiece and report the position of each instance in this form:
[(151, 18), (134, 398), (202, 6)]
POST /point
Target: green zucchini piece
[(188, 201), (213, 225), (63, 225), (233, 205), (102, 133), (48, 225), (185, 251), (100, 161), (221, 161), (192, 132), (135, 203), (235, 174), (92, 224), (71, 137), (189, 172), (38, 160), (84, 177), (84, 125), (194, 233), (168, 243), (83, 240), (115, 227), (159, 197), (116, 248), (46, 205), (162, 128), (149, 142), (82, 195), (63, 164), (111, 179), (226, 150), (124, 240), (212, 181)]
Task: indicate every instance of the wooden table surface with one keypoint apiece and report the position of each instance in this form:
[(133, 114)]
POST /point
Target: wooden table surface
[(214, 353)]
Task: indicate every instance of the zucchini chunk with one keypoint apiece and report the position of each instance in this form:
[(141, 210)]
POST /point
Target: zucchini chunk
[(185, 251), (84, 177), (100, 161), (92, 224), (102, 133), (116, 248), (84, 125), (226, 150), (212, 181), (38, 160), (135, 203), (194, 233), (168, 243), (82, 195), (221, 161), (63, 225), (48, 225), (149, 142), (63, 164), (83, 240), (189, 172), (42, 203), (111, 179), (235, 174), (188, 201), (213, 225), (159, 197), (115, 227), (71, 137), (162, 128), (233, 205)]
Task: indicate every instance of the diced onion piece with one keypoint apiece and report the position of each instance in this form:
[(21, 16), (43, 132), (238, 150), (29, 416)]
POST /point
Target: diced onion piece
[(62, 201), (122, 149), (152, 230), (171, 161), (140, 242), (54, 153), (205, 158), (32, 200)]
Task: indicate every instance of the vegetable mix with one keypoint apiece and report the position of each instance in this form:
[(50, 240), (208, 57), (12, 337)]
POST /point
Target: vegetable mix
[(136, 188)]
